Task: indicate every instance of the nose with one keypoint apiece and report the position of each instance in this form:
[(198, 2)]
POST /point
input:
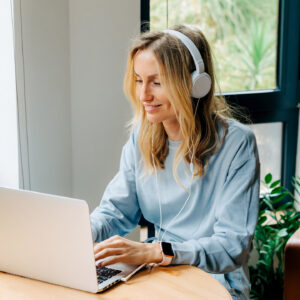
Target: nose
[(145, 93)]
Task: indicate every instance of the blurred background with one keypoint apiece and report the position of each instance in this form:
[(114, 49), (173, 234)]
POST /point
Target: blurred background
[(62, 62)]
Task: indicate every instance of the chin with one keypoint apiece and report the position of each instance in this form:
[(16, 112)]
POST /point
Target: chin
[(154, 119)]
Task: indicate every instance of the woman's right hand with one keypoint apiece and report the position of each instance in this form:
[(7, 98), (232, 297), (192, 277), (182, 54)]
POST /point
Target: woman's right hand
[(118, 249)]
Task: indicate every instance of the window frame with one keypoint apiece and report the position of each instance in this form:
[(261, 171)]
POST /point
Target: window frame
[(282, 103)]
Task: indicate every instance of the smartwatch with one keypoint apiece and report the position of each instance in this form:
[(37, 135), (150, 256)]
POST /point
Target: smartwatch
[(167, 253)]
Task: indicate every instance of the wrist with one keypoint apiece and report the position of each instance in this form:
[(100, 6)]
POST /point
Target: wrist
[(154, 253), (167, 253)]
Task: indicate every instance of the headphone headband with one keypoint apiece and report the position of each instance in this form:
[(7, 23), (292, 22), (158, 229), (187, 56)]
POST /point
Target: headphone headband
[(201, 80), (191, 47)]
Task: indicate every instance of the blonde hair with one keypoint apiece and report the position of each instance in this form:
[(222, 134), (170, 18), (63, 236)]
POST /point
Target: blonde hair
[(200, 133)]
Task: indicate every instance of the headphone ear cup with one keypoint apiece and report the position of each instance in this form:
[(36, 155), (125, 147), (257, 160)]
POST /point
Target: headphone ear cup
[(201, 84)]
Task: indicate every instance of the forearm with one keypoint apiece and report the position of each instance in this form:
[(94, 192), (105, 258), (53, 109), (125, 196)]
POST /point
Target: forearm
[(101, 230), (118, 212), (212, 254)]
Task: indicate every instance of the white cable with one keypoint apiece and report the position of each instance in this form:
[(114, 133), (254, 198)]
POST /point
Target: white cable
[(159, 200), (157, 187), (186, 201)]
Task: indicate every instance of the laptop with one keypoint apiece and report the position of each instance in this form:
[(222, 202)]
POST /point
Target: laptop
[(49, 238)]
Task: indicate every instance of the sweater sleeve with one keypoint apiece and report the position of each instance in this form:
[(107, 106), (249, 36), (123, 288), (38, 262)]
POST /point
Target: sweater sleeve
[(235, 218), (118, 212)]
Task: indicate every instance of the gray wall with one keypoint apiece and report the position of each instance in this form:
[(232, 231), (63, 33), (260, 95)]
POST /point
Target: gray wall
[(74, 112), (100, 33), (44, 86)]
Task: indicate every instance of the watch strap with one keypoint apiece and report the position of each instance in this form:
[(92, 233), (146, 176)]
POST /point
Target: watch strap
[(166, 257)]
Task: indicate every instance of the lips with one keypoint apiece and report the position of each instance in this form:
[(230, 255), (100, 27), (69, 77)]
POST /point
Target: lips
[(152, 108)]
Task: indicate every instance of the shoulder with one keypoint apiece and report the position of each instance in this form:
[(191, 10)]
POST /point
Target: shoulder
[(239, 143), (239, 134)]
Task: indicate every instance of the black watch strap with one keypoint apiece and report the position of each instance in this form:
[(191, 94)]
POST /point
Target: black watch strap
[(167, 248)]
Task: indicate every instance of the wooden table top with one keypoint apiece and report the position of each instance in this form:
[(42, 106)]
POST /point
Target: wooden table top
[(172, 282)]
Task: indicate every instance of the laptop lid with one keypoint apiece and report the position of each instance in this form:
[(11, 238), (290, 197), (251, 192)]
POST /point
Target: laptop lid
[(48, 238)]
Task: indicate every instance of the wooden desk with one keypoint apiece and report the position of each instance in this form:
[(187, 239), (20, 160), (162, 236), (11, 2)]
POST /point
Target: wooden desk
[(178, 282)]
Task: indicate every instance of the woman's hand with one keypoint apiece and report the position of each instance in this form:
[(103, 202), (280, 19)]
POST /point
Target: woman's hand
[(118, 249)]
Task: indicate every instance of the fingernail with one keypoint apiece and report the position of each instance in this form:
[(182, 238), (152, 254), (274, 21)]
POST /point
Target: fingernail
[(99, 265)]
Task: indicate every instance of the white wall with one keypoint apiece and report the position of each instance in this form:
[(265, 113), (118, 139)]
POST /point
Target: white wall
[(43, 28), (100, 33), (9, 171), (74, 62)]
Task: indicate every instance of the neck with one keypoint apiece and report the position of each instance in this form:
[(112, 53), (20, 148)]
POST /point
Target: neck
[(173, 131)]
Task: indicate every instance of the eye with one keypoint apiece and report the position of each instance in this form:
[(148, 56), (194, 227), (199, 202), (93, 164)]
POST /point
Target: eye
[(156, 83), (138, 81)]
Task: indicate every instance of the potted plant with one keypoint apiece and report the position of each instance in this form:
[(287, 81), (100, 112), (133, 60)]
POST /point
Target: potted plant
[(277, 221)]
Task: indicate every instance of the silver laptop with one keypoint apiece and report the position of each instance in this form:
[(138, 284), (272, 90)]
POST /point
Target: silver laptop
[(49, 238)]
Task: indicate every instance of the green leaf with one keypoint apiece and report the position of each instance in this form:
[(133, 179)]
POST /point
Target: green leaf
[(268, 178), (270, 240), (263, 262), (279, 198), (283, 232), (262, 220), (296, 181), (275, 183), (277, 190), (285, 206), (268, 202)]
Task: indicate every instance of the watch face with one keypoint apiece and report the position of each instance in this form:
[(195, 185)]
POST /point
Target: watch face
[(167, 248)]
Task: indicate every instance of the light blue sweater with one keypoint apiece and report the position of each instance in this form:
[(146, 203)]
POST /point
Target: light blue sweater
[(214, 231)]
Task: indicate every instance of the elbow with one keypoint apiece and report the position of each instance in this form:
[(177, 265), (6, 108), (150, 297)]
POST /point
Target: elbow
[(226, 260), (224, 265), (238, 257)]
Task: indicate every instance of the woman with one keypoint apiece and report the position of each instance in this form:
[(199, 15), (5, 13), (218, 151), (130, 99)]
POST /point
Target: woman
[(188, 167)]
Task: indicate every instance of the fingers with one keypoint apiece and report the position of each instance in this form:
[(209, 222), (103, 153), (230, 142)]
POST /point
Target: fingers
[(111, 260), (108, 252), (113, 242), (118, 249), (111, 250)]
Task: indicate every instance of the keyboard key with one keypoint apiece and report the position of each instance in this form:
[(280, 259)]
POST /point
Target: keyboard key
[(104, 273)]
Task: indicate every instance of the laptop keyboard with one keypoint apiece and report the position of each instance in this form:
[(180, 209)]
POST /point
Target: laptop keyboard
[(106, 273)]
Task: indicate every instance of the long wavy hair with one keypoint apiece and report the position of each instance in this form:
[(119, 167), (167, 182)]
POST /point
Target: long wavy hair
[(198, 122)]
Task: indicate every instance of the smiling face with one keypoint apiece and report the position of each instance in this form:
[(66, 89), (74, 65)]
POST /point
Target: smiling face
[(149, 90)]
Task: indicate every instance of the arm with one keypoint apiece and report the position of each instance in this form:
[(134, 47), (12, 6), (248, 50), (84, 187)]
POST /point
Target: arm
[(118, 212), (235, 218)]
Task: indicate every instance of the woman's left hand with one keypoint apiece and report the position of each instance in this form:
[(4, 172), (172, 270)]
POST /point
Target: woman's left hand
[(118, 249)]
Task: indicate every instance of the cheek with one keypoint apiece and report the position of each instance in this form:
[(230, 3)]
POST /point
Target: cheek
[(170, 109), (168, 105), (163, 99)]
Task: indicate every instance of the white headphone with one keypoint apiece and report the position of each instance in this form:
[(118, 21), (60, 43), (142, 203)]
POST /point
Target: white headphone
[(201, 80)]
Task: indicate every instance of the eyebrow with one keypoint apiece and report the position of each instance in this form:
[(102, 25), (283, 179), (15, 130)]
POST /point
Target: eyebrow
[(150, 76)]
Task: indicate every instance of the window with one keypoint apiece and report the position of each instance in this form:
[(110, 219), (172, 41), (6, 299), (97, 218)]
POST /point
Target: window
[(243, 36), (269, 49), (269, 141)]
